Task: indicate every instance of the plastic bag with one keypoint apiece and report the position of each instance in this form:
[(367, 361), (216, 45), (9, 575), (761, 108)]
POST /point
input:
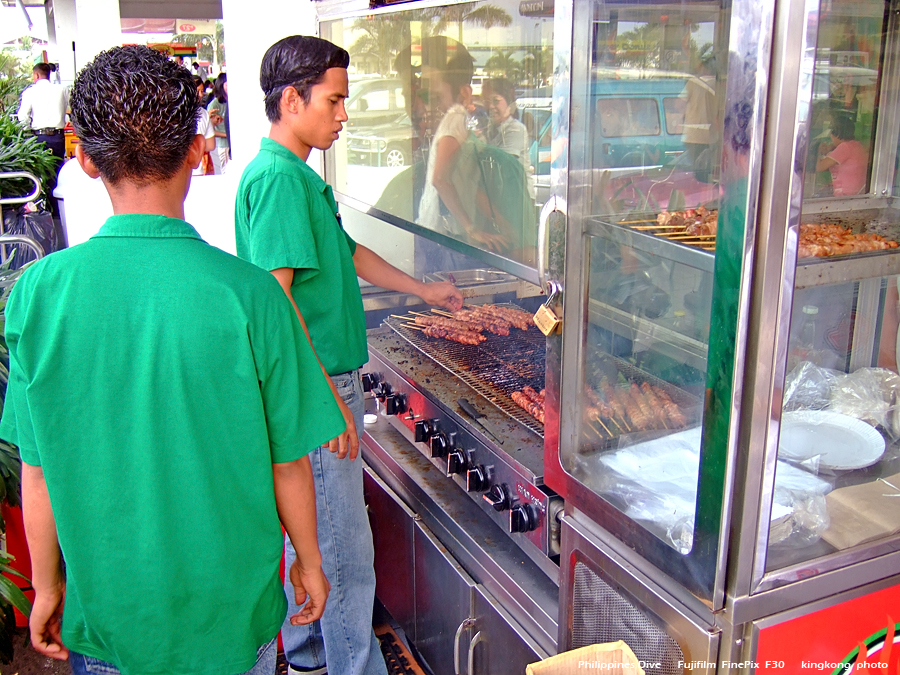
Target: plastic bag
[(38, 225)]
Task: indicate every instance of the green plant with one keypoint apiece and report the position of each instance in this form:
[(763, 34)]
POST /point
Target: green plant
[(10, 483), (20, 151), (13, 80)]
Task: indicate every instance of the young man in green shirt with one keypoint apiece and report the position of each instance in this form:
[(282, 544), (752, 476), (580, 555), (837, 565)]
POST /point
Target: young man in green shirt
[(286, 221), (153, 393)]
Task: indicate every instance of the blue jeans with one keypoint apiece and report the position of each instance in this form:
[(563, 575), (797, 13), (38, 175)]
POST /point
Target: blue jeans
[(87, 665), (345, 540)]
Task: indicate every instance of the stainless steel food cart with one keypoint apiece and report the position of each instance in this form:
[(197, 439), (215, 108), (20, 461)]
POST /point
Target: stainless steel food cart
[(710, 213)]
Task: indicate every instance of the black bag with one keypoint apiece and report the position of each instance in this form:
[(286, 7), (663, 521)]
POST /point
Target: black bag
[(38, 225)]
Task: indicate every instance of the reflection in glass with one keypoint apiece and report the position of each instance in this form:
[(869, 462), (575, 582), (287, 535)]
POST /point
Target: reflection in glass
[(651, 163), (839, 425), (446, 109)]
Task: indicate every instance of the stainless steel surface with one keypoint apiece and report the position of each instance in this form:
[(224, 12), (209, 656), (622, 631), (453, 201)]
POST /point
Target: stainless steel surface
[(648, 243), (513, 267), (793, 64), (868, 306), (555, 204), (827, 271), (696, 635), (27, 198), (495, 368), (463, 626), (500, 647), (379, 298), (523, 580), (887, 133), (393, 534), (823, 579), (443, 601), (674, 344), (11, 239)]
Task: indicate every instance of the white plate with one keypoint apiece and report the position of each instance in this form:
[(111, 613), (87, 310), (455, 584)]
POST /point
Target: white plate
[(841, 442)]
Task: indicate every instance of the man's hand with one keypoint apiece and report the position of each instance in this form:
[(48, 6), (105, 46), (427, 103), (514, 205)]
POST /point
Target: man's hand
[(45, 622), (443, 294), (309, 585), (347, 442)]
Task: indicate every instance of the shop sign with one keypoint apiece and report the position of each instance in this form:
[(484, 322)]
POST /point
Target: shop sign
[(858, 636)]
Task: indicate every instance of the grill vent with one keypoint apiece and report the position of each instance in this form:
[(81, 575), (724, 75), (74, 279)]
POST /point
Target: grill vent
[(603, 614)]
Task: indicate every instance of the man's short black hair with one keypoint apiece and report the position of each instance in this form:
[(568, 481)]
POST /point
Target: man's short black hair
[(298, 61), (43, 71), (135, 112)]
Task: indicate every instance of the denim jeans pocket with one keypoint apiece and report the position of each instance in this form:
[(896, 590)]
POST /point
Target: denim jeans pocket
[(92, 665), (345, 385)]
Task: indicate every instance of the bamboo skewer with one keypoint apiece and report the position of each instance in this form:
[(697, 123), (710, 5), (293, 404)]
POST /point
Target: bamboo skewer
[(613, 420), (656, 227), (604, 427), (633, 222), (599, 435), (405, 318), (442, 313)]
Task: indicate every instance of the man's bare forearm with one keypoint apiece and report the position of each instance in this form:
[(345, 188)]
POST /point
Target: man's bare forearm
[(295, 498), (40, 531)]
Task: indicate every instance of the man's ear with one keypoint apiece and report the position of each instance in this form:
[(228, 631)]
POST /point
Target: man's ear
[(290, 101), (86, 163), (196, 151)]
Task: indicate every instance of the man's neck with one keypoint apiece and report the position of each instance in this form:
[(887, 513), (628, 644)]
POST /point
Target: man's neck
[(282, 134), (161, 199)]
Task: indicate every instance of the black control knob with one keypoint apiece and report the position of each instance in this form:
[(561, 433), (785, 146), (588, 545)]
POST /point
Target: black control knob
[(370, 380), (382, 390), (457, 462), (498, 497), (523, 518), (440, 445), (424, 430), (395, 404), (477, 479)]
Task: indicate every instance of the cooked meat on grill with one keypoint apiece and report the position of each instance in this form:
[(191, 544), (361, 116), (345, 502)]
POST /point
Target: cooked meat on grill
[(699, 221), (673, 412), (829, 239), (534, 409), (613, 400), (532, 395), (516, 317), (655, 404), (465, 337), (448, 323), (488, 322)]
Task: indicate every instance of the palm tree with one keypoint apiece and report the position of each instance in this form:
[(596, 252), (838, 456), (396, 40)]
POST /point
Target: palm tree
[(486, 16), (383, 37), (502, 64)]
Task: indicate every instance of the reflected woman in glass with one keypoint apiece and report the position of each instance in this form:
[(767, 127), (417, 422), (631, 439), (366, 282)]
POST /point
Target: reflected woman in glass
[(846, 159), (505, 131)]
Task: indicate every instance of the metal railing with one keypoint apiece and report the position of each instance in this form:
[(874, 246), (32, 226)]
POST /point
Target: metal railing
[(19, 239)]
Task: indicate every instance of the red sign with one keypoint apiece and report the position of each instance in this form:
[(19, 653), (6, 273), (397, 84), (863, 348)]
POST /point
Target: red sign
[(187, 28), (859, 636)]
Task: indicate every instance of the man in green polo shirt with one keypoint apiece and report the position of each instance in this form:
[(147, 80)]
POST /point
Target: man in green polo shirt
[(154, 390), (286, 221)]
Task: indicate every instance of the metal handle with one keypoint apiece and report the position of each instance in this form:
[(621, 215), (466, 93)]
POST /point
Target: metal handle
[(555, 203), (21, 174), (471, 659), (22, 239), (466, 623)]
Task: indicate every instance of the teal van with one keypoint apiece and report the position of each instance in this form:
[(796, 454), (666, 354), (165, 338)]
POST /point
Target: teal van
[(636, 123)]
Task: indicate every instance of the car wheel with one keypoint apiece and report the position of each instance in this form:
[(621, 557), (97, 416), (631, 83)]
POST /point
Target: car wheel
[(395, 156)]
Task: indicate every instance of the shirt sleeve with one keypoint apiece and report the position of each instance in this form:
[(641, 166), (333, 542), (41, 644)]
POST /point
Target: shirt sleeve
[(281, 226), (841, 153), (16, 426), (25, 108), (301, 413)]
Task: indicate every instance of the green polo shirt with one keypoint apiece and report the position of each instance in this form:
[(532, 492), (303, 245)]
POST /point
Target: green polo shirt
[(155, 379), (285, 216)]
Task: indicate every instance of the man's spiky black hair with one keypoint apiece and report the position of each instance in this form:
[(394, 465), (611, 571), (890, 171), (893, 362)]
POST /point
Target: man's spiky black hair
[(298, 61), (135, 112)]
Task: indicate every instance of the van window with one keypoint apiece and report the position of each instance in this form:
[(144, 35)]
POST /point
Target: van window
[(621, 117), (674, 107), (399, 98), (376, 99)]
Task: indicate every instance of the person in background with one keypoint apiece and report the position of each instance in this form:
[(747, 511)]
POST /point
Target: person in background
[(505, 131), (43, 110), (205, 129), (287, 222), (846, 159), (154, 389), (218, 113), (54, 73)]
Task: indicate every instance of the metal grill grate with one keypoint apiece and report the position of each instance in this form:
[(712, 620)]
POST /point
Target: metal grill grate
[(494, 368), (603, 614)]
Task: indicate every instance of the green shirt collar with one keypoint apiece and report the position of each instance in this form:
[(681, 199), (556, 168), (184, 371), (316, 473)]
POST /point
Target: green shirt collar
[(277, 148), (146, 225)]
